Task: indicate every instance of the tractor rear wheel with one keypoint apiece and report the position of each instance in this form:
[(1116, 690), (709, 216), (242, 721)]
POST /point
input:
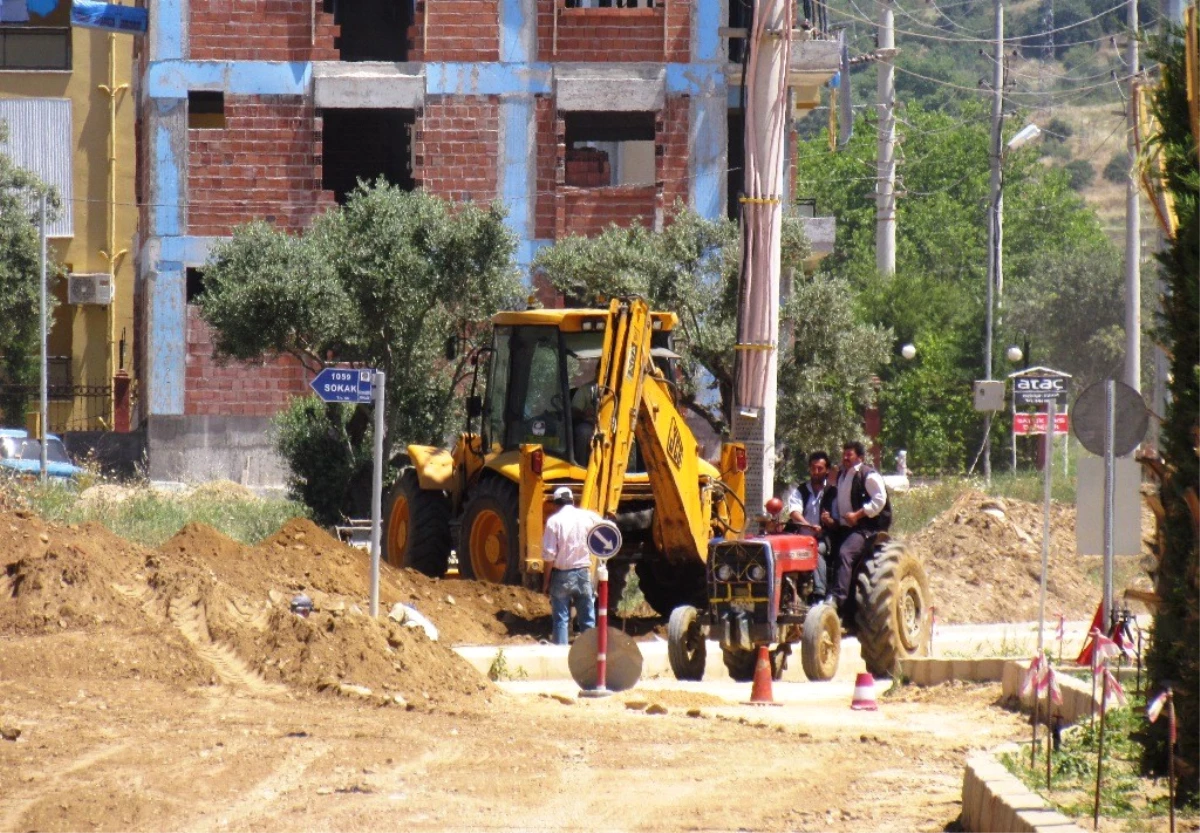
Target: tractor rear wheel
[(821, 645), (685, 644), (489, 543), (416, 532), (739, 663), (893, 609)]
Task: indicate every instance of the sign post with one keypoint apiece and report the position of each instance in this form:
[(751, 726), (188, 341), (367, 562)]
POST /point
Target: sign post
[(603, 541), (362, 386)]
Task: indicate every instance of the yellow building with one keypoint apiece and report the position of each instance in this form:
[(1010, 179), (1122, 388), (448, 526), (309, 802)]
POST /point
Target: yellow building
[(66, 100)]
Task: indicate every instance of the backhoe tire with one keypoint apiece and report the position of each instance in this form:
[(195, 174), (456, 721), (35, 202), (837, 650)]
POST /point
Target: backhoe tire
[(686, 648), (892, 619), (416, 529), (740, 664), (489, 544), (821, 644)]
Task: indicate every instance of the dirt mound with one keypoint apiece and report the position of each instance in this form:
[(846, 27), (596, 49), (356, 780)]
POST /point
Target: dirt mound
[(984, 560), (56, 577)]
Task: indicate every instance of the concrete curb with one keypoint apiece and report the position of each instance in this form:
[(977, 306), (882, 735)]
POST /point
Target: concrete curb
[(993, 799)]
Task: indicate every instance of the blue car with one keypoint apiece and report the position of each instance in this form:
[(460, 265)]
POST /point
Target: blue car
[(22, 455)]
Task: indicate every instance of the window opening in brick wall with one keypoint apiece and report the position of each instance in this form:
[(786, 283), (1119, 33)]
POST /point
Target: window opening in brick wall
[(741, 16), (365, 144), (606, 149), (206, 110), (736, 161), (613, 4), (194, 280), (372, 30)]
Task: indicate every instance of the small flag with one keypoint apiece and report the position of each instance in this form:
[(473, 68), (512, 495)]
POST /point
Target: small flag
[(1061, 632), (1052, 684), (1103, 648), (1114, 686), (1032, 679), (1154, 707)]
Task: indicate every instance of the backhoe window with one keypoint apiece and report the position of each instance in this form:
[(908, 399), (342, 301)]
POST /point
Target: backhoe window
[(532, 409), (498, 388)]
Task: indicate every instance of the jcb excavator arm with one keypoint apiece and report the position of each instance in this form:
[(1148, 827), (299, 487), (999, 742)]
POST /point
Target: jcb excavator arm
[(635, 402)]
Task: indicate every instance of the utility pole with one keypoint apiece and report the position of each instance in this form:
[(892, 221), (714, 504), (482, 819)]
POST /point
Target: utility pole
[(995, 280), (1133, 221), (756, 358), (885, 187)]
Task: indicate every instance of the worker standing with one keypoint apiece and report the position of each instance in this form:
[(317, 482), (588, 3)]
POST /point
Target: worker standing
[(861, 497), (567, 575)]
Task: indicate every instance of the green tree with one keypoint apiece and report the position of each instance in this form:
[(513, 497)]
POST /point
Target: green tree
[(382, 282), (1172, 657), (20, 274), (692, 268), (938, 292)]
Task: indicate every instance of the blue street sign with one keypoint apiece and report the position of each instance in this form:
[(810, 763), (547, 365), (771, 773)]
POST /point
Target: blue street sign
[(604, 540), (335, 384)]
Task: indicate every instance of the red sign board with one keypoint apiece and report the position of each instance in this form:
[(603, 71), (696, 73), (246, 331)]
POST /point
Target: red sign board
[(1026, 424)]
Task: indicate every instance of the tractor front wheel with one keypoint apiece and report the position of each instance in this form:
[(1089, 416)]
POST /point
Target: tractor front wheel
[(821, 645), (489, 545), (685, 644), (892, 619), (416, 532)]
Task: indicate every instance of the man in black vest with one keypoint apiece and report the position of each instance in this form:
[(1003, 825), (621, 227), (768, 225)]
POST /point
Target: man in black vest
[(861, 496), (807, 506)]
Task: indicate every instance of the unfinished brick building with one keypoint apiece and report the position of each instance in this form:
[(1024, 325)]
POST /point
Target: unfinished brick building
[(574, 113)]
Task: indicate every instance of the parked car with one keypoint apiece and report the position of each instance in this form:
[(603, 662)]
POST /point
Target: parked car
[(21, 454)]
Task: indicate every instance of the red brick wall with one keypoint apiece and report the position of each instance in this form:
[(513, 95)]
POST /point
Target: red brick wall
[(256, 388), (671, 150), (588, 211), (457, 147), (459, 30), (259, 30), (550, 134), (616, 35), (265, 163)]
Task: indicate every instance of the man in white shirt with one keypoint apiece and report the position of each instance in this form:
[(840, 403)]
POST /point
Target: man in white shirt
[(861, 496), (567, 574)]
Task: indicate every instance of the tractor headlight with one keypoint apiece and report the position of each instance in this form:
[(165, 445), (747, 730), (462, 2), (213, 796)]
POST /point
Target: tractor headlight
[(758, 572), (724, 573)]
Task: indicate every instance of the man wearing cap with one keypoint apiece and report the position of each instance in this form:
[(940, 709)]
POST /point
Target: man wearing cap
[(567, 575)]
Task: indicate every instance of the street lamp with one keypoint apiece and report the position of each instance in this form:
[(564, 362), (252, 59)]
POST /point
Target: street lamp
[(995, 277), (908, 351), (1014, 354)]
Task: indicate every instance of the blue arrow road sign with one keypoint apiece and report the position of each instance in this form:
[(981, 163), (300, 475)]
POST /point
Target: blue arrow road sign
[(604, 540), (340, 385)]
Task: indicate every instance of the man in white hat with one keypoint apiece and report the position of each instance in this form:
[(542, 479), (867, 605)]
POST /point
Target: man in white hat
[(567, 575)]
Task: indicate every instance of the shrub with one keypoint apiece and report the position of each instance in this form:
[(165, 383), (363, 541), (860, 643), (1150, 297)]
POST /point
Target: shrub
[(1080, 174), (315, 440), (1117, 169)]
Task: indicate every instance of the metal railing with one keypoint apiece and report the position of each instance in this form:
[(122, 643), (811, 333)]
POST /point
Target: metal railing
[(72, 407)]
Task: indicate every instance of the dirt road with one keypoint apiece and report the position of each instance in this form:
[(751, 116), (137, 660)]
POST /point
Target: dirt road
[(98, 753)]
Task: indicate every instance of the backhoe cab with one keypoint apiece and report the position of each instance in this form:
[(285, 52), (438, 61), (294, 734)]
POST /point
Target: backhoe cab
[(582, 398)]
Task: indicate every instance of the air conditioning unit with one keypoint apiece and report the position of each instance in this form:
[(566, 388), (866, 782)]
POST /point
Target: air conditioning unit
[(94, 288)]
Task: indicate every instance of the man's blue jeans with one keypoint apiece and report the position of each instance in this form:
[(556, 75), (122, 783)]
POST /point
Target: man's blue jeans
[(567, 588)]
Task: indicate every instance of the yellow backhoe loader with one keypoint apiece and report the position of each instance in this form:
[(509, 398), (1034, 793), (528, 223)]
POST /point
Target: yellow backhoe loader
[(582, 398)]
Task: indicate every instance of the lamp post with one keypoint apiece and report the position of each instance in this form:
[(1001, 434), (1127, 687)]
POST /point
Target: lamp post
[(995, 287)]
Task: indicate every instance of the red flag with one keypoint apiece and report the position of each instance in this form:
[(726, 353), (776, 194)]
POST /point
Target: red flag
[(1052, 684), (1085, 656), (1103, 649), (1114, 688)]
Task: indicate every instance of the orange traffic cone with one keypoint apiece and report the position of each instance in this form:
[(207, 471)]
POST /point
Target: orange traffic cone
[(864, 694), (760, 692)]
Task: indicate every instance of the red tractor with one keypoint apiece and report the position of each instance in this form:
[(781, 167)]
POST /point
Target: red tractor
[(759, 592)]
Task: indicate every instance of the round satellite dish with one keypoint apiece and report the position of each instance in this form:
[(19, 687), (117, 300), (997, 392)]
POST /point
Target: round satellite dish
[(1130, 418), (624, 660)]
